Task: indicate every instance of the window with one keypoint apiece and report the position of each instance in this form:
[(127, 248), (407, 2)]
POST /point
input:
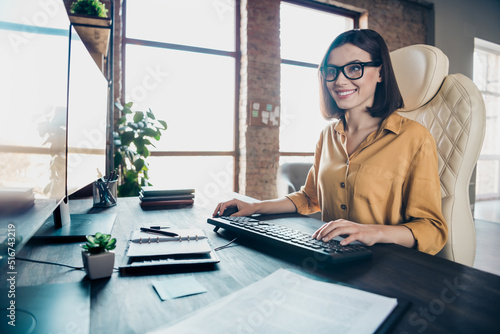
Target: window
[(487, 78), (180, 61), (302, 48)]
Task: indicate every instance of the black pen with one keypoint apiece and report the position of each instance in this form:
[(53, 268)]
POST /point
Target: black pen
[(156, 231)]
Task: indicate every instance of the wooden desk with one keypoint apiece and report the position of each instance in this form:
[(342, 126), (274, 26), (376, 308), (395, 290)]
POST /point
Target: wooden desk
[(445, 297)]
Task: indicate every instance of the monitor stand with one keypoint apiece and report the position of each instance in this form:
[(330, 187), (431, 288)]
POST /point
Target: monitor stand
[(63, 226)]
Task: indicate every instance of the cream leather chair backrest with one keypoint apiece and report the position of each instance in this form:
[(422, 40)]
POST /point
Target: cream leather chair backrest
[(453, 110)]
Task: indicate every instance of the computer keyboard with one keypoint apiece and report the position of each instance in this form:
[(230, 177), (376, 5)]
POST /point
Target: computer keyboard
[(289, 239)]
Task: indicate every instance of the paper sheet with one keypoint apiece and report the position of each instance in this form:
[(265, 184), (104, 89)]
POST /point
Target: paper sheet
[(178, 287), (285, 302)]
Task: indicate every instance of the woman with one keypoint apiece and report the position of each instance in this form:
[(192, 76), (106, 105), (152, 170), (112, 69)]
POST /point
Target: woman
[(374, 176)]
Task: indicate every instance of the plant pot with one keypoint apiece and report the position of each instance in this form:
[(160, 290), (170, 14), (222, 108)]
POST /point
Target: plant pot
[(98, 265), (95, 33)]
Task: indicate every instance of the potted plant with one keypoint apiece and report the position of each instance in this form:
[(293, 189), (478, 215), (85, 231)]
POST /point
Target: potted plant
[(89, 17), (89, 7), (133, 134), (98, 258)]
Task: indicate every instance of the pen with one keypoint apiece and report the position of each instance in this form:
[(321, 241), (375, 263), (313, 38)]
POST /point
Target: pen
[(156, 231), (159, 227)]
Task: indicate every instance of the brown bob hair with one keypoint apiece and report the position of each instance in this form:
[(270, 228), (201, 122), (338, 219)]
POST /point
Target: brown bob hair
[(387, 95)]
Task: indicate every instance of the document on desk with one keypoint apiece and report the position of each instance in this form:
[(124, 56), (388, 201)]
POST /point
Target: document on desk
[(286, 302)]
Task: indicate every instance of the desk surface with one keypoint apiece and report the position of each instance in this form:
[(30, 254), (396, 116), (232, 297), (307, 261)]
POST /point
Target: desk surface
[(445, 297)]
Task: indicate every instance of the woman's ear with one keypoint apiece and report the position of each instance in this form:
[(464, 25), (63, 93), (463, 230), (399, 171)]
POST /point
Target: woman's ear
[(380, 74)]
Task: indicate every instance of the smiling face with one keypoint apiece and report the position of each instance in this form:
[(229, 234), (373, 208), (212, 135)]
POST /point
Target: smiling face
[(353, 95)]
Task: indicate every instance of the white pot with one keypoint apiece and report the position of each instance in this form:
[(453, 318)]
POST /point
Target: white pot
[(98, 265)]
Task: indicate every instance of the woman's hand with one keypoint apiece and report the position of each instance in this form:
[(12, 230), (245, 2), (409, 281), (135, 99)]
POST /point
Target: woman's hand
[(280, 205), (243, 208), (367, 234)]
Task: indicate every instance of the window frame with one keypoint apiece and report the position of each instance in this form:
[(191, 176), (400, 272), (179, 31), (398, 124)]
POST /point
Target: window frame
[(490, 48), (236, 54), (328, 8)]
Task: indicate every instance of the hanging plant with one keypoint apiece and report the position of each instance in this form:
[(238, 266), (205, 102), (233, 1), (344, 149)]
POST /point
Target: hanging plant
[(89, 7)]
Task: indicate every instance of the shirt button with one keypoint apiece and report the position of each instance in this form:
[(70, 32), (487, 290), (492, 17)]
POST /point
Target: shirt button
[(342, 185), (343, 207)]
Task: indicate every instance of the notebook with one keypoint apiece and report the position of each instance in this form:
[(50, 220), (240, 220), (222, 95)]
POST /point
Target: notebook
[(165, 198), (156, 254), (159, 198), (148, 191), (188, 241), (162, 204)]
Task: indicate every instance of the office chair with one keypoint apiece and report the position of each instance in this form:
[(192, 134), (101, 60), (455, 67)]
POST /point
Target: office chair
[(452, 109), (292, 176)]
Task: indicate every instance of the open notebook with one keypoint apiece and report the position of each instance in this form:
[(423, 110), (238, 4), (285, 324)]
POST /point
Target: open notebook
[(151, 253), (188, 241)]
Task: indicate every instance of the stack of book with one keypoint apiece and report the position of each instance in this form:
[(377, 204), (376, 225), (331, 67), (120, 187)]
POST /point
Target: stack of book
[(159, 197)]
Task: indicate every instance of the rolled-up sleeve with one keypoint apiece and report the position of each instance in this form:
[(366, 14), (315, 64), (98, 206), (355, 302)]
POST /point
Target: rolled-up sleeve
[(305, 200), (423, 200)]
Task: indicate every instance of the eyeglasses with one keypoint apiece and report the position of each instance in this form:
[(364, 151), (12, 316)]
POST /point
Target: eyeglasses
[(352, 71)]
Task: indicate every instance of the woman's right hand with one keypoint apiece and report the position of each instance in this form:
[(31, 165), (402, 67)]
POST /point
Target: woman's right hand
[(243, 208)]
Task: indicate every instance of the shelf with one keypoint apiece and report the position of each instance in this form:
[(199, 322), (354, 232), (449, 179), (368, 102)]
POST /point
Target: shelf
[(95, 33)]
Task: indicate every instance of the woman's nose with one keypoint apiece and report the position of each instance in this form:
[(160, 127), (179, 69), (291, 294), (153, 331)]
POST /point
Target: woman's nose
[(341, 78)]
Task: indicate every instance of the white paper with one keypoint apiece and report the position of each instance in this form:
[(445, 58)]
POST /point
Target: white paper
[(285, 302)]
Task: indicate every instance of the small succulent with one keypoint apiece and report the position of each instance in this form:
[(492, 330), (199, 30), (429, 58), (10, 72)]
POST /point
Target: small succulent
[(99, 243)]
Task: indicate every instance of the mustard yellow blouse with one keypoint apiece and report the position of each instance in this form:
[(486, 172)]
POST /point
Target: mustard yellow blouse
[(392, 178)]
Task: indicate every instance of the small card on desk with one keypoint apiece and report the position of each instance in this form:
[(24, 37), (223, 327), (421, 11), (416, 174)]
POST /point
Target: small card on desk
[(178, 287)]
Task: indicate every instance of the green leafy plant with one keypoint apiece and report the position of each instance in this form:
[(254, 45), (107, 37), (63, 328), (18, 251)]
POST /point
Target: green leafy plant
[(133, 134), (89, 7), (99, 243)]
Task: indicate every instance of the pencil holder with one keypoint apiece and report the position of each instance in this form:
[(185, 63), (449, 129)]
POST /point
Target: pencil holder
[(105, 193)]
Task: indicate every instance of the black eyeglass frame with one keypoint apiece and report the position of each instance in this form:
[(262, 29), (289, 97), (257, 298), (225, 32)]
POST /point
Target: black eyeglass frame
[(374, 63)]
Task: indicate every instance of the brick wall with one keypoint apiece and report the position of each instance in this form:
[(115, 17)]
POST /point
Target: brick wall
[(260, 81), (400, 22)]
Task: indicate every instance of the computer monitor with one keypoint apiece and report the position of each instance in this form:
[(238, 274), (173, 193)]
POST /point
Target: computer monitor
[(33, 89), (53, 124), (52, 141), (86, 135)]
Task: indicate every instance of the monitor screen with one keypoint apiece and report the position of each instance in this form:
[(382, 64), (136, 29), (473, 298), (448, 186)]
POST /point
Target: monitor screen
[(33, 90), (52, 139), (87, 116), (53, 119)]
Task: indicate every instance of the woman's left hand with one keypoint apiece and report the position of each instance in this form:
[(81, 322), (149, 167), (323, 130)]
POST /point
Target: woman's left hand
[(367, 234)]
